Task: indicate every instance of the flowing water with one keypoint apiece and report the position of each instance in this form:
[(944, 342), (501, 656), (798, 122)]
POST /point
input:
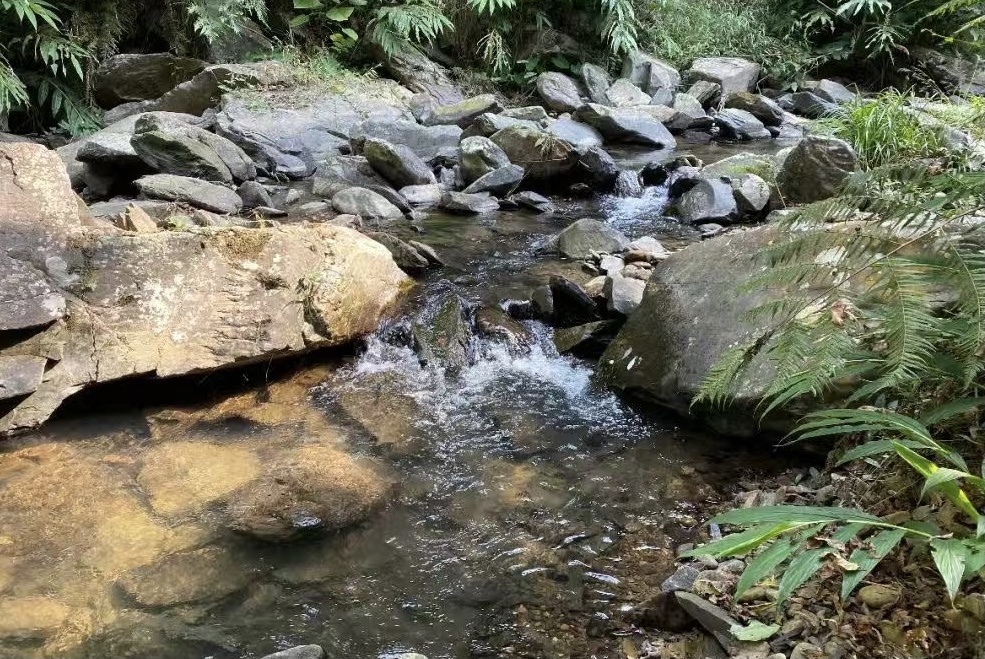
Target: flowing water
[(533, 507)]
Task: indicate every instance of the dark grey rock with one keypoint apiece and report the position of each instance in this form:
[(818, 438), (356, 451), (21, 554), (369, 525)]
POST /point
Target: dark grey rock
[(542, 157), (499, 182), (405, 255), (585, 237), (707, 92), (633, 125), (559, 92), (589, 340), (478, 156), (815, 169), (532, 201), (598, 169), (469, 204), (834, 92), (254, 195), (741, 125), (443, 340), (425, 141), (398, 164), (764, 109), (596, 81), (138, 77), (683, 579), (572, 306), (191, 191), (462, 113), (489, 124)]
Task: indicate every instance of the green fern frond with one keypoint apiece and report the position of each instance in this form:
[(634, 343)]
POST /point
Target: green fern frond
[(398, 27)]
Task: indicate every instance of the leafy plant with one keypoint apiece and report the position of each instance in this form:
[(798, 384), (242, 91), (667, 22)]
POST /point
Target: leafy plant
[(884, 305)]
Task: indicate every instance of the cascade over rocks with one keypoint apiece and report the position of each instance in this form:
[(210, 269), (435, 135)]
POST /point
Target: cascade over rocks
[(690, 315), (99, 304)]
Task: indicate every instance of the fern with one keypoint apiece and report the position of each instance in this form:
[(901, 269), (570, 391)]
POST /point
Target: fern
[(214, 19), (399, 27)]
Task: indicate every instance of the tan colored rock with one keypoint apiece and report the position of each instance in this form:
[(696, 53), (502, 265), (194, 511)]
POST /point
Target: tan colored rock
[(186, 578), (136, 219), (318, 488), (183, 477), (29, 618), (879, 596)]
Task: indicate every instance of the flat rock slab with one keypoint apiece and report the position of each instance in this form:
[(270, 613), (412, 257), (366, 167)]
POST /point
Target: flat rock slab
[(192, 191), (187, 578)]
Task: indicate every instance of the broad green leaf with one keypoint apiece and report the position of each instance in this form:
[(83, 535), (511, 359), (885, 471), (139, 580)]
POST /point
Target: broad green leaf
[(339, 14), (944, 475), (739, 544), (754, 632), (765, 563), (877, 447), (975, 558), (801, 568), (847, 532), (349, 32), (926, 468), (882, 543), (307, 4), (950, 557), (795, 515), (301, 20)]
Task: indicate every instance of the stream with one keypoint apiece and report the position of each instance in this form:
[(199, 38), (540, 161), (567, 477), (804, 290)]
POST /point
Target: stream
[(533, 508)]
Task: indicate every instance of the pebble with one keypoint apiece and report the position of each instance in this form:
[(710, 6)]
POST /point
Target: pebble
[(683, 579), (805, 650), (735, 566), (878, 596)]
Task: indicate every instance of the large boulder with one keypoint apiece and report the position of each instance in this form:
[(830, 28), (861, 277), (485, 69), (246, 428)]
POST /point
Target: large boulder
[(463, 113), (764, 109), (741, 125), (135, 77), (955, 75), (541, 155), (815, 169), (624, 93), (182, 155), (489, 124), (732, 74), (581, 136), (633, 125), (649, 73), (99, 305), (499, 182), (596, 81), (192, 191), (365, 203), (397, 163), (421, 75), (692, 313), (559, 92), (710, 200), (585, 237), (477, 156), (317, 489), (425, 141)]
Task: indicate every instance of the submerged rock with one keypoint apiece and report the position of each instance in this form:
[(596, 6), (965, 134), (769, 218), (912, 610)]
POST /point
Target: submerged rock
[(316, 489), (204, 575), (299, 652)]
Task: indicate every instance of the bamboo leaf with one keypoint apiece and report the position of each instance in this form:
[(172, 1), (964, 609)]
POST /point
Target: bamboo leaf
[(739, 544), (765, 563), (794, 515), (882, 543), (801, 568)]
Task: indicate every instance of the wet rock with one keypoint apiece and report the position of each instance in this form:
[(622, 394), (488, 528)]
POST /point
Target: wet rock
[(253, 195), (182, 478), (816, 169), (691, 314), (628, 184), (542, 157), (764, 109), (717, 622), (478, 156), (428, 253), (423, 195), (596, 81), (559, 92), (589, 340), (572, 306), (192, 191), (623, 294), (598, 169), (443, 340), (406, 256), (741, 125), (499, 182), (532, 201), (878, 596), (683, 579), (317, 489), (299, 652), (581, 136), (752, 194), (135, 77), (662, 611), (462, 113), (31, 619), (398, 164), (469, 204), (649, 73), (585, 237), (732, 74), (633, 125), (624, 93), (203, 575), (496, 325), (365, 203), (709, 200)]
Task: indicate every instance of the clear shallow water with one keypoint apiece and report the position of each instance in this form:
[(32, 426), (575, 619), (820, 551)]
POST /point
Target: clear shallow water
[(531, 504)]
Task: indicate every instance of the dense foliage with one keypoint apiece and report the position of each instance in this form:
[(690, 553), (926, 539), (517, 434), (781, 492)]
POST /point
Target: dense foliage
[(49, 48)]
